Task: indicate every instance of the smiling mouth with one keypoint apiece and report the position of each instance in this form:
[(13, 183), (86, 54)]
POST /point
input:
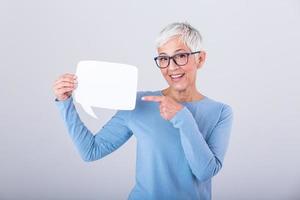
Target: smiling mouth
[(176, 77)]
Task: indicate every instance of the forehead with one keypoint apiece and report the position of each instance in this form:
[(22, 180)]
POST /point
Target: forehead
[(173, 45)]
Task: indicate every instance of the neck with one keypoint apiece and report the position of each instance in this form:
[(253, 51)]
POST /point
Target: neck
[(189, 94)]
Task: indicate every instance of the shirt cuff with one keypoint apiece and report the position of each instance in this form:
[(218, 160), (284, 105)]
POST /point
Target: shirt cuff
[(181, 116), (63, 103)]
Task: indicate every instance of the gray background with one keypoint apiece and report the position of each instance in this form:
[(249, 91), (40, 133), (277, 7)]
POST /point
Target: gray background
[(252, 64)]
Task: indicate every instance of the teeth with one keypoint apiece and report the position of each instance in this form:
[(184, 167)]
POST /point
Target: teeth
[(177, 75)]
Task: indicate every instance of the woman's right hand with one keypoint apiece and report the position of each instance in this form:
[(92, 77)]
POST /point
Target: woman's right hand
[(64, 86)]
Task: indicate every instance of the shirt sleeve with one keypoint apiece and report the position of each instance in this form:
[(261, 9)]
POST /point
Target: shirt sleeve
[(205, 158), (92, 147)]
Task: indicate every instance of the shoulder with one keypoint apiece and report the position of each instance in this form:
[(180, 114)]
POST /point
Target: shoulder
[(221, 109), (216, 104), (211, 110), (212, 113)]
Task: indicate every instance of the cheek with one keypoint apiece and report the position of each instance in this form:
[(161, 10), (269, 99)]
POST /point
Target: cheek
[(191, 74), (164, 72)]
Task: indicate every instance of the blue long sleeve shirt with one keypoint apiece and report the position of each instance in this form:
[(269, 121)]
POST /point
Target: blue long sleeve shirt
[(176, 159)]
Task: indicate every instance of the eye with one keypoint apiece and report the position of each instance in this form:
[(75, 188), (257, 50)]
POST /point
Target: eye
[(163, 58), (182, 55)]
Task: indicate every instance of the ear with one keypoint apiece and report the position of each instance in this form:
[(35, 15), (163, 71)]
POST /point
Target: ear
[(201, 59)]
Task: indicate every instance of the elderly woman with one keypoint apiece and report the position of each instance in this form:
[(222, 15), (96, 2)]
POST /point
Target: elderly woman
[(182, 135)]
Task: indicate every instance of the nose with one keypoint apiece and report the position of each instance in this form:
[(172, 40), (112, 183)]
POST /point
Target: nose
[(172, 65)]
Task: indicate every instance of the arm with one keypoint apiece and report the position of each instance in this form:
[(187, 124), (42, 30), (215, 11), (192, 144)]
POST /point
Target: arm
[(92, 147), (204, 157)]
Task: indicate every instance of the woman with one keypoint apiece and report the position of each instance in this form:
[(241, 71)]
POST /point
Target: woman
[(182, 135)]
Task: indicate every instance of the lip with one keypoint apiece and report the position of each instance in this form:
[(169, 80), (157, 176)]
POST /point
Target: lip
[(176, 77)]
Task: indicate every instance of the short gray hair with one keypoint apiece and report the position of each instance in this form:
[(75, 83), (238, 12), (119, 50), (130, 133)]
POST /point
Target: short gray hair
[(188, 34)]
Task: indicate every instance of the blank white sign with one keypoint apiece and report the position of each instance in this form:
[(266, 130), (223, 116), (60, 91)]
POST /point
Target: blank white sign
[(106, 85)]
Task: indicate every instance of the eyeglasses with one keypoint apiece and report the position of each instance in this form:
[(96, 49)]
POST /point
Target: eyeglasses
[(179, 59)]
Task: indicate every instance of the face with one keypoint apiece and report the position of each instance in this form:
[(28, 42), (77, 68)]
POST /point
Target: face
[(180, 78)]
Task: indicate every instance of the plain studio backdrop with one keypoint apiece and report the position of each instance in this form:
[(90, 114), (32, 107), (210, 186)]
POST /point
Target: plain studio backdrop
[(253, 56)]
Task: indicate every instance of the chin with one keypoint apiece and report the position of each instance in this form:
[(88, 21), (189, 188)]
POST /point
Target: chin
[(179, 87)]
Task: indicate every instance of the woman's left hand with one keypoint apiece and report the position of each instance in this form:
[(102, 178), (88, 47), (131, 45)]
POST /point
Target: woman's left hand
[(168, 107)]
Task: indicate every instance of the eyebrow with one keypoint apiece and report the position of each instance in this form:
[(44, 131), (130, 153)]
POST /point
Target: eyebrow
[(174, 51)]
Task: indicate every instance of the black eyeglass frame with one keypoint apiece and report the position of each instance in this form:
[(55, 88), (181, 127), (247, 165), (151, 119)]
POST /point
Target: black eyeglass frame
[(172, 57)]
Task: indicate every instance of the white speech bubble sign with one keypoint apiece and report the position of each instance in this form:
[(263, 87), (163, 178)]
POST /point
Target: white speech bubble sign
[(105, 85)]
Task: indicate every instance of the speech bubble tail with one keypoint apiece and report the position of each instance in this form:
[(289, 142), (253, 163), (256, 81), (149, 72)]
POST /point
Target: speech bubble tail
[(89, 110)]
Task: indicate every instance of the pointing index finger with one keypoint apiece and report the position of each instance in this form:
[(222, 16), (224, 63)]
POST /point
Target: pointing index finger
[(152, 98)]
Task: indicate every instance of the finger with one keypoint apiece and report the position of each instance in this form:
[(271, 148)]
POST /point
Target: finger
[(163, 115), (164, 110), (65, 84), (152, 98), (64, 90), (69, 75), (161, 108), (66, 79)]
